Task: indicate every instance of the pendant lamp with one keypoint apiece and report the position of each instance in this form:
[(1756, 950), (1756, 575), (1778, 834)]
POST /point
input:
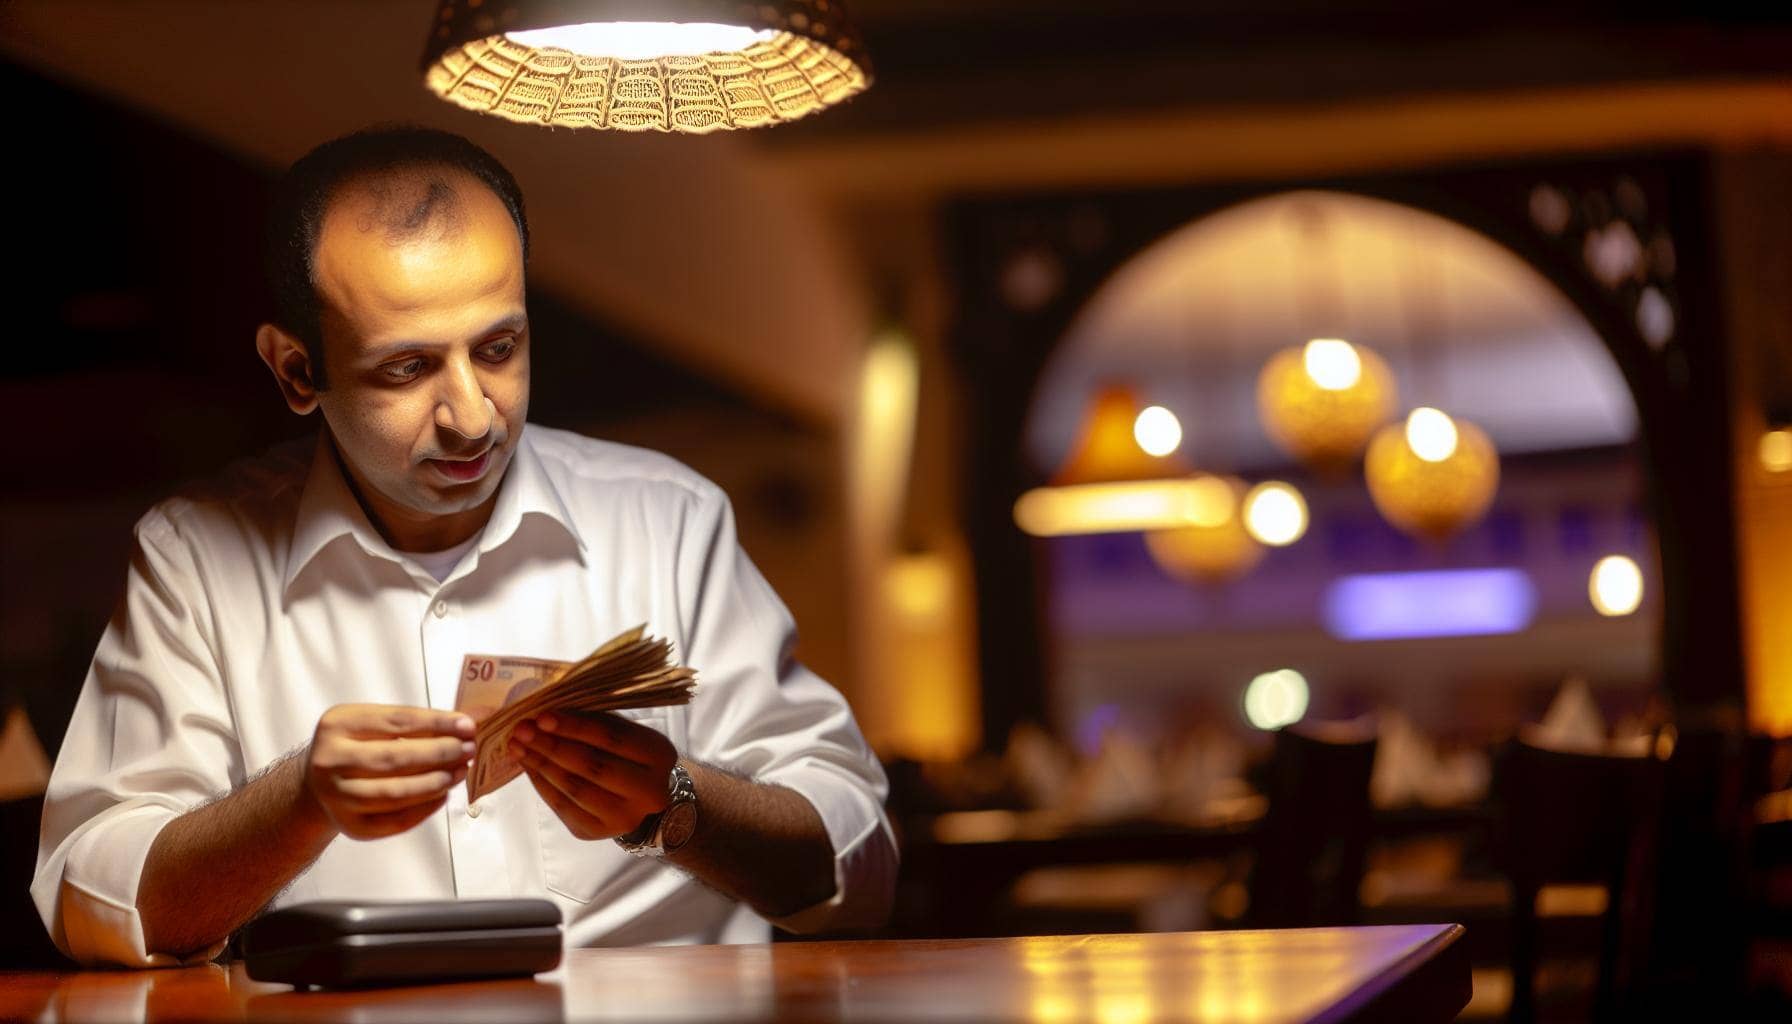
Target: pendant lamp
[(691, 66)]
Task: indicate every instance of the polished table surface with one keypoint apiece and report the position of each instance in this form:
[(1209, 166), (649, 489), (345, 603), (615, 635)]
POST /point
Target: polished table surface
[(1408, 973)]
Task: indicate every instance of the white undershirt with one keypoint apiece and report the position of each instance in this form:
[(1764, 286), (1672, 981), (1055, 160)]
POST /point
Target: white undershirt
[(440, 563)]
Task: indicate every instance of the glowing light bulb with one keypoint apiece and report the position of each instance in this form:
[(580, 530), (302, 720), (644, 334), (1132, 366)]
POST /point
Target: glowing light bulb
[(644, 40), (1616, 586), (1275, 699), (1431, 434), (1333, 364), (1157, 431), (1275, 513), (1776, 450)]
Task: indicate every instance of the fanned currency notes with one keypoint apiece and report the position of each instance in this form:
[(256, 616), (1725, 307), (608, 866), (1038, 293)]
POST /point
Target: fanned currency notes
[(632, 670)]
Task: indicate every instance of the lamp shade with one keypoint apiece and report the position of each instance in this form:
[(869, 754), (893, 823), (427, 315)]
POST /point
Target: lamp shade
[(1107, 447), (693, 66), (1322, 402), (1432, 475)]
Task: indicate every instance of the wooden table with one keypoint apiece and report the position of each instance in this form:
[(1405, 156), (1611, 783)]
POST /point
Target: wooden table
[(1409, 973)]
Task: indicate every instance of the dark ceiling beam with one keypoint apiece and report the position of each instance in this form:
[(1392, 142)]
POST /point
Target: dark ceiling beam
[(1007, 65)]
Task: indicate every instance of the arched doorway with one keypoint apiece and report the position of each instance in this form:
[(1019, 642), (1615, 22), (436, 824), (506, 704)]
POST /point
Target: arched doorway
[(1189, 322), (1026, 266)]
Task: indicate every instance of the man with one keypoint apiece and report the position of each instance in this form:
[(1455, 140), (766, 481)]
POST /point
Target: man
[(270, 716)]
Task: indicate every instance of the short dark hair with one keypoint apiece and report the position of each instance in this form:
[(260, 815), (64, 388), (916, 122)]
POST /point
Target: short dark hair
[(304, 193)]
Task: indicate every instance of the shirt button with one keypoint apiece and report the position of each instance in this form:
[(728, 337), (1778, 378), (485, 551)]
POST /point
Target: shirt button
[(472, 810), (441, 608)]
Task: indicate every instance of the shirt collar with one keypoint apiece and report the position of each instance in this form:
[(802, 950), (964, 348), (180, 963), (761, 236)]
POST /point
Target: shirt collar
[(329, 511)]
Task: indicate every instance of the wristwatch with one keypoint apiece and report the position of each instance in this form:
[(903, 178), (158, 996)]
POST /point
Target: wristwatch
[(671, 828)]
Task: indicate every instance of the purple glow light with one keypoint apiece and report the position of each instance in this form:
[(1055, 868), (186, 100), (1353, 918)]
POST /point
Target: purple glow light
[(1450, 602), (1095, 726)]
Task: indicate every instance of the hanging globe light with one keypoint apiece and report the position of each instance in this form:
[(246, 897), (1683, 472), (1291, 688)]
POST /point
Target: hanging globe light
[(1321, 402), (1215, 546), (1432, 475)]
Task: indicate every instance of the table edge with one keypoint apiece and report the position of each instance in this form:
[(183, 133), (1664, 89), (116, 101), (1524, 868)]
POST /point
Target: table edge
[(1377, 997)]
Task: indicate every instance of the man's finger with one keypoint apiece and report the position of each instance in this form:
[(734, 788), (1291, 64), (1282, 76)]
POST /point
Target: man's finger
[(580, 822), (619, 775), (376, 758), (375, 826), (378, 796), (381, 721), (618, 735), (594, 798)]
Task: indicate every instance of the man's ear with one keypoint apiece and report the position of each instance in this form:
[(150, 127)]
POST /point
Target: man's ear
[(290, 362)]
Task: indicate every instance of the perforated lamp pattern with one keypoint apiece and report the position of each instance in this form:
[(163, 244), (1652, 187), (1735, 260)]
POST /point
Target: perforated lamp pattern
[(814, 59), (1325, 429), (1433, 500)]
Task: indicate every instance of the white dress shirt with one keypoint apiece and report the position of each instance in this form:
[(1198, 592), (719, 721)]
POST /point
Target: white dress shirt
[(253, 607)]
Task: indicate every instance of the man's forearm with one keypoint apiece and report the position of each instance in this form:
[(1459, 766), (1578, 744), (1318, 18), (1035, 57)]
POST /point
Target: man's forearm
[(761, 844), (212, 868)]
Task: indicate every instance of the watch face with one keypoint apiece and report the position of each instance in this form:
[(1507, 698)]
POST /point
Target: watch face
[(676, 826)]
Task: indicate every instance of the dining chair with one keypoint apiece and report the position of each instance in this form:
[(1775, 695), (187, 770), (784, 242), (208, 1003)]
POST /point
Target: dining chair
[(1314, 839), (1576, 817)]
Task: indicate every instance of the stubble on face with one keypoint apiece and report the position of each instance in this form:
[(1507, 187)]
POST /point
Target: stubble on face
[(426, 336)]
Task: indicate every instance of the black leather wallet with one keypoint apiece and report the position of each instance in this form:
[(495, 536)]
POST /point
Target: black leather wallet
[(339, 944)]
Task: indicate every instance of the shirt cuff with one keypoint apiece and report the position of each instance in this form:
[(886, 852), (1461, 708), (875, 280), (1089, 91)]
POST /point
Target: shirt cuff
[(865, 858), (98, 904)]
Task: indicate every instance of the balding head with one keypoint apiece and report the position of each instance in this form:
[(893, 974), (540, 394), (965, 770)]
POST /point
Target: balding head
[(405, 183)]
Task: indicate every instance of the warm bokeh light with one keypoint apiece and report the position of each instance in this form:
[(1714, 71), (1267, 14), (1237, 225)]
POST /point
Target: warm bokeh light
[(1211, 501), (643, 40), (1776, 451), (1275, 699), (1157, 431), (1307, 416), (1200, 501), (1212, 545), (1275, 513), (1432, 499), (1431, 434), (933, 714), (1106, 448), (1616, 586), (1332, 363)]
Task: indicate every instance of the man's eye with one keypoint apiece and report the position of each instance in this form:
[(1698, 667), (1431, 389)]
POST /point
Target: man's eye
[(498, 351), (405, 370)]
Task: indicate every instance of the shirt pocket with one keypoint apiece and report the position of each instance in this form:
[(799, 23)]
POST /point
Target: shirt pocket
[(578, 868)]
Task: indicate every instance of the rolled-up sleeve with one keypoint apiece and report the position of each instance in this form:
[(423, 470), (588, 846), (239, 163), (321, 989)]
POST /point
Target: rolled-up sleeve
[(762, 713), (150, 739)]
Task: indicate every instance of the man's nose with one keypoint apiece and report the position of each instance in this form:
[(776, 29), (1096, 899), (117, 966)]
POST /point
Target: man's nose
[(462, 406)]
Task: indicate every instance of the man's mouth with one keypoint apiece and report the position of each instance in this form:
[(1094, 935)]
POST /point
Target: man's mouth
[(463, 470)]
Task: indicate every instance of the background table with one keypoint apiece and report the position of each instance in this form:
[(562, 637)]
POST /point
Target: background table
[(1410, 973)]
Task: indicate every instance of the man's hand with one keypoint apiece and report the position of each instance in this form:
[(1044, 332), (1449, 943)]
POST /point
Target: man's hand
[(378, 769), (602, 774)]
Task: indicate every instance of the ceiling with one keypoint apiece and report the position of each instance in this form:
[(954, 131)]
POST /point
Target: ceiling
[(689, 244), (730, 254)]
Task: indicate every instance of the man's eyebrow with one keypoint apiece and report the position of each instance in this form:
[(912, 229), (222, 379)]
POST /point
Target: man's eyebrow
[(515, 323)]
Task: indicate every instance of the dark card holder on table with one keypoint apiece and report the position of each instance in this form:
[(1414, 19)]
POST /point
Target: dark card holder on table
[(340, 944)]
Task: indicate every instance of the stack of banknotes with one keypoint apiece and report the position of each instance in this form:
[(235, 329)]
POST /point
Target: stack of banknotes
[(632, 670)]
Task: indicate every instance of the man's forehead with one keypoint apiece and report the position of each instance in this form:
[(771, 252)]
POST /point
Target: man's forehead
[(401, 251)]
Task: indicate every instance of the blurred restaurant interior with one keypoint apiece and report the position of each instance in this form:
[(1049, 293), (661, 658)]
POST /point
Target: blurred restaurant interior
[(1246, 464)]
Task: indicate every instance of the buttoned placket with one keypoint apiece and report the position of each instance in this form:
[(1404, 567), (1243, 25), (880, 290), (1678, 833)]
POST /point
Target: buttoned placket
[(475, 842)]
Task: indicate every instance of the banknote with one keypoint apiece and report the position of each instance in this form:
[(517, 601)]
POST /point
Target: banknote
[(631, 670), (487, 684)]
